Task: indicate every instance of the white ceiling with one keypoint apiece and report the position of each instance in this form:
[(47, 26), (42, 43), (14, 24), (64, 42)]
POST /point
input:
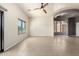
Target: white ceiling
[(51, 9), (35, 13)]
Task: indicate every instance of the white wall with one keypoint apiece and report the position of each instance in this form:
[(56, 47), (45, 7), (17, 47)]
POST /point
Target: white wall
[(40, 26), (11, 36)]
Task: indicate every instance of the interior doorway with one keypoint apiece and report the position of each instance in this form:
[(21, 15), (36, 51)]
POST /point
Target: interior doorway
[(72, 26), (1, 31), (71, 16)]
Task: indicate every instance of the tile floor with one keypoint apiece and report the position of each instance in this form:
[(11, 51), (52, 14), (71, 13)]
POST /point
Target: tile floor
[(45, 46)]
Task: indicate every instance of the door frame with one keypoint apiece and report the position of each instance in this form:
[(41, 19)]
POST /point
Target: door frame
[(2, 31)]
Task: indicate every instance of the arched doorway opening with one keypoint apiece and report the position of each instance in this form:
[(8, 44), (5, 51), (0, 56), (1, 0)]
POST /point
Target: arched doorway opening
[(66, 22)]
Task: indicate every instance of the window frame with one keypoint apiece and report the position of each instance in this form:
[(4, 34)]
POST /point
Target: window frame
[(22, 21)]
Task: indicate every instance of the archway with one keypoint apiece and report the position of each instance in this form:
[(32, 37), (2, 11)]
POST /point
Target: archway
[(65, 22)]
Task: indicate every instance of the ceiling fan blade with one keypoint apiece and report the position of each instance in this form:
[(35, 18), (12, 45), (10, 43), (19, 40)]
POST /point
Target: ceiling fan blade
[(42, 5), (44, 11), (37, 8), (45, 5)]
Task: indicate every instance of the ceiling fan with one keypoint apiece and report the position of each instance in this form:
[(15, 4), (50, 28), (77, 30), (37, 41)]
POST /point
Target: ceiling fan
[(43, 5)]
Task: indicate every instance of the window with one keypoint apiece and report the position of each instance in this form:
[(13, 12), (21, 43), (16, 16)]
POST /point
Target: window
[(59, 26), (21, 26)]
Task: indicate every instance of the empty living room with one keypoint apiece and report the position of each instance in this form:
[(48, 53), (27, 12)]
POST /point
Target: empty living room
[(39, 29)]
